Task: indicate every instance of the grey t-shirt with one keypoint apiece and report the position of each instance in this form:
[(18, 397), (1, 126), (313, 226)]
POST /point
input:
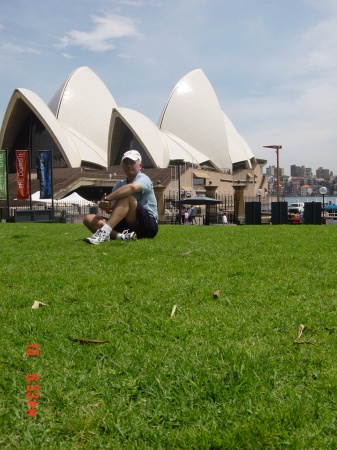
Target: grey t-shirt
[(146, 197)]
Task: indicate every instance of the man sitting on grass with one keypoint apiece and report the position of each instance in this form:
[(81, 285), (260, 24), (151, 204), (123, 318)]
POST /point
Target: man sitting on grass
[(132, 206)]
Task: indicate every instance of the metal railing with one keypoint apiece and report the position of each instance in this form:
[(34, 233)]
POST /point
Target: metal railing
[(63, 213), (216, 211)]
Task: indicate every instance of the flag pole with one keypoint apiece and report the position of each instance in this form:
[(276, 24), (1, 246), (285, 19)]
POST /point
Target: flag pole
[(52, 187), (30, 176), (7, 183)]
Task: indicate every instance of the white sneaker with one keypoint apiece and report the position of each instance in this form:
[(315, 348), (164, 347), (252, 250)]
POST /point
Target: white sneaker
[(99, 237), (129, 236)]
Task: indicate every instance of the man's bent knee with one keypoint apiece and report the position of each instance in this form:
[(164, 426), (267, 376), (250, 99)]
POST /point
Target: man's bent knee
[(93, 222)]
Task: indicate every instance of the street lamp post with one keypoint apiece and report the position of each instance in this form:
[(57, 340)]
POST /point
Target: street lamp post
[(323, 190), (259, 193), (277, 148)]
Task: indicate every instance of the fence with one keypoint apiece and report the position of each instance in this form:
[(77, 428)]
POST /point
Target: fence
[(215, 211), (20, 211), (74, 213), (63, 213)]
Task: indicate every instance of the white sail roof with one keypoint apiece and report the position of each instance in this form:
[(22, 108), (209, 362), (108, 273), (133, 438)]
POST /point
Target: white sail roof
[(88, 127)]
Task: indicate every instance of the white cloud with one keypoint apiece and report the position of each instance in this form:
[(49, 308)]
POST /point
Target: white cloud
[(19, 49), (132, 2), (67, 56), (104, 34), (319, 44), (126, 56)]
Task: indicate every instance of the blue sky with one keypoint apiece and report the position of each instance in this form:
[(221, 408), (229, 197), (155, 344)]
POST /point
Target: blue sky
[(272, 63)]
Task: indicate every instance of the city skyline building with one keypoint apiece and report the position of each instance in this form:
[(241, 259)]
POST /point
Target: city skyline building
[(301, 172), (323, 173)]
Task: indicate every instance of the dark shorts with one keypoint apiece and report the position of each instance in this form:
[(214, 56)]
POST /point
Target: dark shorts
[(146, 226)]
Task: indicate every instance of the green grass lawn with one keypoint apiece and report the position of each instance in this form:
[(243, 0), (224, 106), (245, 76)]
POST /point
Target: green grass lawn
[(221, 373)]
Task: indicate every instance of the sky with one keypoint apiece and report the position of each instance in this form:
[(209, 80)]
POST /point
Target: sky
[(271, 63)]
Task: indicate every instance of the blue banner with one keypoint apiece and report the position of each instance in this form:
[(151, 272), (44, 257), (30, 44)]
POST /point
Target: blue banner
[(3, 175), (44, 167)]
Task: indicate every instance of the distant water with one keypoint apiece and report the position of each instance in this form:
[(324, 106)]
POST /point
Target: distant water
[(327, 199)]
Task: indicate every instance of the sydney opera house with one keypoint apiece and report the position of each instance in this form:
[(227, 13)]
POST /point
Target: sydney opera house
[(88, 131)]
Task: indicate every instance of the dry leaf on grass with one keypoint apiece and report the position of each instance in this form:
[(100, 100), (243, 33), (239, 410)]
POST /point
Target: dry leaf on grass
[(173, 310), (300, 331), (183, 255), (37, 304), (89, 341), (216, 294)]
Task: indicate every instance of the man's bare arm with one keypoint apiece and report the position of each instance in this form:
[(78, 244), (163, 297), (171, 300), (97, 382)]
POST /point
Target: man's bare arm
[(123, 191)]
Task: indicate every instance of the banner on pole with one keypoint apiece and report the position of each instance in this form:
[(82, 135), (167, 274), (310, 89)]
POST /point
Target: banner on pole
[(3, 175), (44, 168), (22, 174)]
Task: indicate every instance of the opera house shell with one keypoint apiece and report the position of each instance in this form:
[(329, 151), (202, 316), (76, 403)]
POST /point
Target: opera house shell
[(86, 129)]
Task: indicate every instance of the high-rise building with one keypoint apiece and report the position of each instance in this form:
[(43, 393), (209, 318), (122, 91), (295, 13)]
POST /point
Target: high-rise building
[(308, 172), (322, 173), (297, 171), (271, 171)]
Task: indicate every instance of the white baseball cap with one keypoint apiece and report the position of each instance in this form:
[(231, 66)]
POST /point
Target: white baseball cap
[(132, 154)]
